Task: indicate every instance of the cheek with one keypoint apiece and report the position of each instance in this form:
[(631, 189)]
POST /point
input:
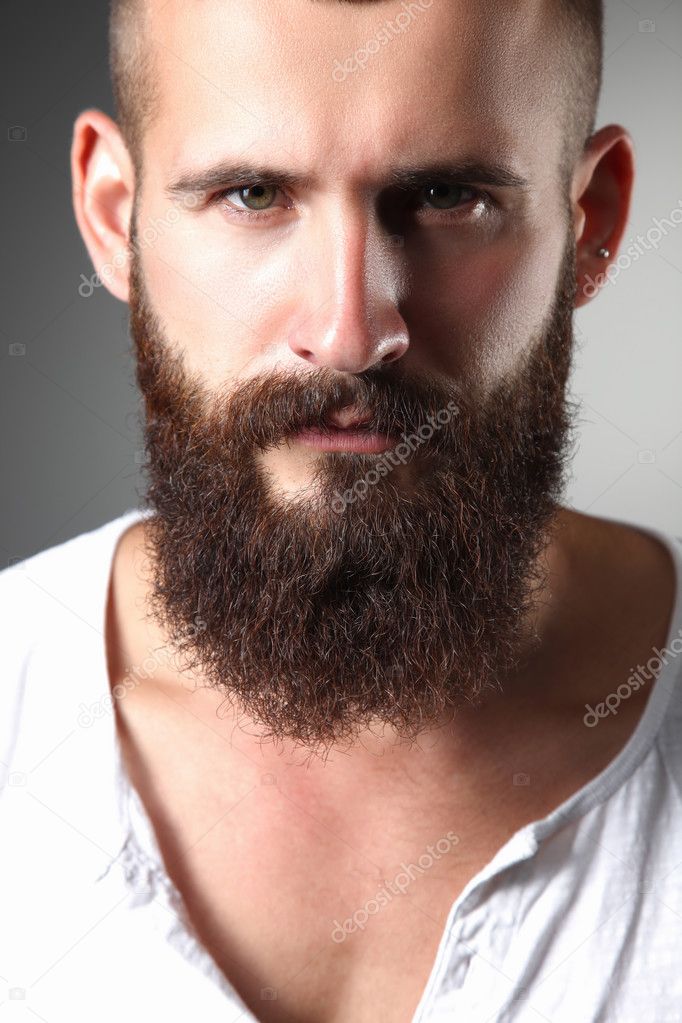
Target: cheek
[(214, 294), (475, 316)]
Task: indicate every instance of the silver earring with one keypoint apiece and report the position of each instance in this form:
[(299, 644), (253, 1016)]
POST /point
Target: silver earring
[(604, 253)]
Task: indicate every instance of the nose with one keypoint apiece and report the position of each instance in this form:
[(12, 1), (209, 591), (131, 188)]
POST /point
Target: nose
[(349, 317)]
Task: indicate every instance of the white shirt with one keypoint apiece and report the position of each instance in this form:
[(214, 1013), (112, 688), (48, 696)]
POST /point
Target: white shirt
[(576, 919)]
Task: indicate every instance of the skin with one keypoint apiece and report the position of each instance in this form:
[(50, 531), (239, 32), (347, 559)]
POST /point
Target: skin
[(321, 283)]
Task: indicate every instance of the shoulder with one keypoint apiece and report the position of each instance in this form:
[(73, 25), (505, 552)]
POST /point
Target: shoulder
[(624, 598), (52, 610), (47, 582), (635, 562), (54, 591), (641, 567)]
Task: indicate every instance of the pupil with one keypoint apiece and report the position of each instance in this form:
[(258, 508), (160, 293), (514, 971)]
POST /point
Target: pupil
[(442, 194), (257, 196)]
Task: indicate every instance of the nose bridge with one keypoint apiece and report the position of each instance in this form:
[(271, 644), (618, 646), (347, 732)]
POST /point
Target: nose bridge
[(359, 325), (362, 273)]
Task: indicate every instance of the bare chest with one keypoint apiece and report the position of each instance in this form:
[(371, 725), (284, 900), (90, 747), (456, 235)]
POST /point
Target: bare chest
[(320, 908), (307, 921)]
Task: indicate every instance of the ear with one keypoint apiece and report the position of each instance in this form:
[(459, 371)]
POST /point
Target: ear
[(103, 183), (600, 198)]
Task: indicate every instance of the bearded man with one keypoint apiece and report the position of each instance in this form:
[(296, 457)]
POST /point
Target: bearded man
[(355, 648)]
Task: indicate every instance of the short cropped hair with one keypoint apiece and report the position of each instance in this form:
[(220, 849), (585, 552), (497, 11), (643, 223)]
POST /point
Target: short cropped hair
[(135, 84), (133, 77)]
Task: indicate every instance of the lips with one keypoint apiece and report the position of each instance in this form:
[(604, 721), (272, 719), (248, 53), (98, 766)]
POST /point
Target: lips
[(359, 441), (345, 430)]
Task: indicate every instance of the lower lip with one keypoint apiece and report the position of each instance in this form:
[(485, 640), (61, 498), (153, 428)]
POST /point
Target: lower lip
[(346, 440)]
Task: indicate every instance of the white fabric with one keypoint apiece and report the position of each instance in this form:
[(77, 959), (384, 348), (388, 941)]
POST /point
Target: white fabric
[(577, 919)]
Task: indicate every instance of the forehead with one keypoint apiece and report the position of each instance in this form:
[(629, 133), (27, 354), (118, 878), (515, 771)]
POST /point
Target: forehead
[(349, 90)]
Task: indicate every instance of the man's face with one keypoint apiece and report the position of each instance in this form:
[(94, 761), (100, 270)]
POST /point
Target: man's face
[(346, 271), (259, 313)]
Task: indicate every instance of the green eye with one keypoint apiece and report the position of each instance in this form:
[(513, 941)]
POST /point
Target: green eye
[(258, 197), (444, 196)]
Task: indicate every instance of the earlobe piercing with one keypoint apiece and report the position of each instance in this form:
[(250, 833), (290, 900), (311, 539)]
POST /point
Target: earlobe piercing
[(604, 253)]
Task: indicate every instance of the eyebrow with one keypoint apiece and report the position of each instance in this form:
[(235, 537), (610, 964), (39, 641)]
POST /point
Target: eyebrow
[(226, 173)]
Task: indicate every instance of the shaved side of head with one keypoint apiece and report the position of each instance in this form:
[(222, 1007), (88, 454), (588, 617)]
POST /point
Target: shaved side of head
[(133, 77), (136, 86), (584, 25)]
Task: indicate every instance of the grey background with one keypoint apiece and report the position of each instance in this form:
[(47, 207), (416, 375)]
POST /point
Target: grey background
[(69, 410)]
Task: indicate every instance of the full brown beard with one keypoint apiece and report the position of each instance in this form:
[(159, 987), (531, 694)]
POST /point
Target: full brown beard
[(317, 623)]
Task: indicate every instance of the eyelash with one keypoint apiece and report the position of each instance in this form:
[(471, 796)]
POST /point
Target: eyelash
[(480, 198)]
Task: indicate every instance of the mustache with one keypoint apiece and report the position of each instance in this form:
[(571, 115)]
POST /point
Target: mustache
[(280, 406), (265, 410)]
